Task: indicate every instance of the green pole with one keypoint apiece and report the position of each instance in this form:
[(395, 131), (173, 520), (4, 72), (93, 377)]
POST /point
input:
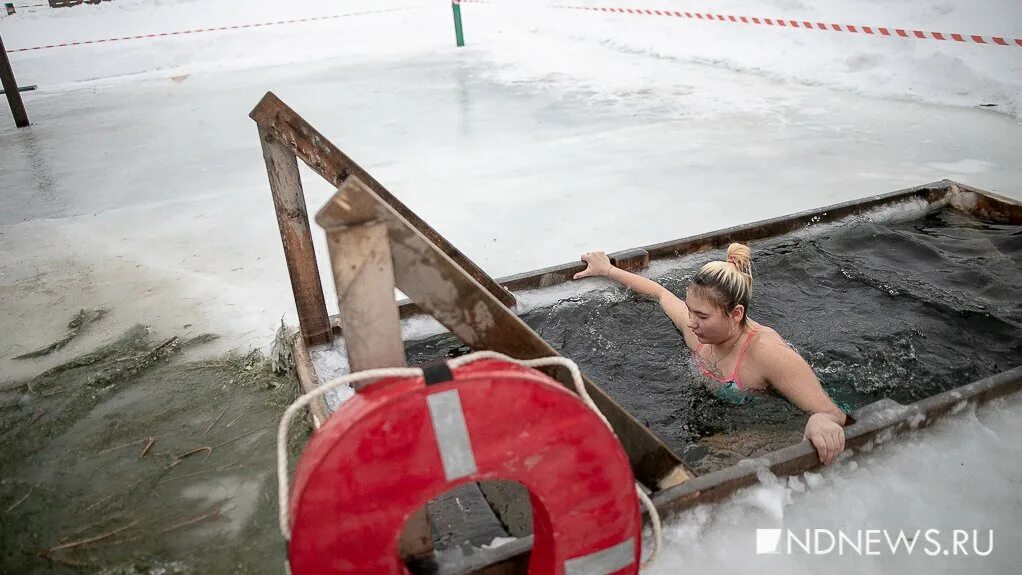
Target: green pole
[(459, 35)]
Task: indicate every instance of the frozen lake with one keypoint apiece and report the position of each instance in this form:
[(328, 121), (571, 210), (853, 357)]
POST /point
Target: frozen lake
[(140, 187)]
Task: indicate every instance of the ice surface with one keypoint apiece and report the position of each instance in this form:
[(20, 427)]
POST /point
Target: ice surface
[(140, 187), (637, 53)]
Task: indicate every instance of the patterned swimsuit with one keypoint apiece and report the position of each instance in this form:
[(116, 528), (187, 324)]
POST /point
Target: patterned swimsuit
[(730, 389)]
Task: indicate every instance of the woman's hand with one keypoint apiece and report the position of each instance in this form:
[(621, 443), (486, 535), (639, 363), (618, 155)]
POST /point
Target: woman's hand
[(826, 436), (599, 265)]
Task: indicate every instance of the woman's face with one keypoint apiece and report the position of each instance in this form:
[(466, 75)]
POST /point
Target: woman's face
[(710, 324)]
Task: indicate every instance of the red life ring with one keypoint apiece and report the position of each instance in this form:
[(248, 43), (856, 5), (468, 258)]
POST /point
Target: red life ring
[(400, 442)]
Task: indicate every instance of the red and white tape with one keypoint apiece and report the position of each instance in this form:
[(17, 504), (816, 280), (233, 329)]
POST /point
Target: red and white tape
[(805, 24), (215, 29)]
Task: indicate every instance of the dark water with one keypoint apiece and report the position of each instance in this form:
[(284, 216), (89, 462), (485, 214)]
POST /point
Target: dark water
[(897, 310)]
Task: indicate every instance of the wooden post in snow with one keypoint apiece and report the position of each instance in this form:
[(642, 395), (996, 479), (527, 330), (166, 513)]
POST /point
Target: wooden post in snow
[(364, 276), (295, 234), (11, 88)]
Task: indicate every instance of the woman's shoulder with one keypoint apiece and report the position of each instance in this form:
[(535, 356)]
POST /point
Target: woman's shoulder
[(768, 355), (766, 340)]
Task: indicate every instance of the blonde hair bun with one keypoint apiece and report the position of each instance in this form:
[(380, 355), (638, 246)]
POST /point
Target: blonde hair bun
[(741, 256)]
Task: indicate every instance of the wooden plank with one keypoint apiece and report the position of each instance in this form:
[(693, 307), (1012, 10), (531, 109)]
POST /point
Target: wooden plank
[(296, 237), (308, 381), (330, 162), (511, 558), (11, 88), (463, 515), (442, 288), (364, 277), (986, 206), (510, 502)]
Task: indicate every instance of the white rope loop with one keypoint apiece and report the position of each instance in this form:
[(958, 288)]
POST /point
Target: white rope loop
[(304, 400)]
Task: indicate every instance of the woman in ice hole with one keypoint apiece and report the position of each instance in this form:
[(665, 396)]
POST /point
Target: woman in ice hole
[(738, 357)]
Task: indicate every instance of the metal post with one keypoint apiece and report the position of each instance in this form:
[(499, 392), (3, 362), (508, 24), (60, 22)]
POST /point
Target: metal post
[(11, 87), (459, 35)]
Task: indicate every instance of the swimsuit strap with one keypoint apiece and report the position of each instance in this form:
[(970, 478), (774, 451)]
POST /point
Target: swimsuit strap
[(741, 356)]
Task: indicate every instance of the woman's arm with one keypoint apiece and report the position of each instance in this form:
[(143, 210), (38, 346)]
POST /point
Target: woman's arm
[(792, 377), (599, 265), (673, 306)]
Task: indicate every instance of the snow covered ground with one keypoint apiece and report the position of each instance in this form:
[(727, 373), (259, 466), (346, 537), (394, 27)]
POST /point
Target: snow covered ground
[(140, 187)]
